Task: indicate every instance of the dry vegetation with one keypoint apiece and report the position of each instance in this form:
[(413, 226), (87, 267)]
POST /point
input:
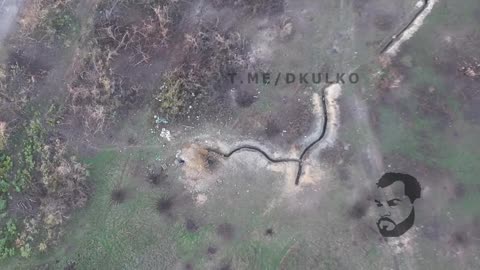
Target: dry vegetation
[(96, 91), (47, 184), (139, 32), (42, 24), (48, 22), (40, 183), (35, 12), (136, 29), (63, 177), (252, 7), (16, 85), (209, 56), (64, 184), (60, 188)]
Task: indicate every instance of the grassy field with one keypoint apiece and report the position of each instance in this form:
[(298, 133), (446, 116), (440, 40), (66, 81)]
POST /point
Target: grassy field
[(115, 99)]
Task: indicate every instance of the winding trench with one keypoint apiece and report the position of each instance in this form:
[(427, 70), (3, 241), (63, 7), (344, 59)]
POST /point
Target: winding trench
[(322, 135), (284, 160), (396, 37), (304, 153), (254, 149)]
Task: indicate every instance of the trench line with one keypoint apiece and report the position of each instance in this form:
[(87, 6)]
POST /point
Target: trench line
[(301, 159)]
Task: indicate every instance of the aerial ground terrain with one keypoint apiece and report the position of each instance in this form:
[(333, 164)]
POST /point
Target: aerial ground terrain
[(166, 134)]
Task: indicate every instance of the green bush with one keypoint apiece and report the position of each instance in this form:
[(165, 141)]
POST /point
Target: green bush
[(8, 235), (65, 26), (32, 145), (5, 169)]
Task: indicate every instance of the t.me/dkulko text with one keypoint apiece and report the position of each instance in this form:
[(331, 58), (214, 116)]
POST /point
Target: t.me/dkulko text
[(293, 78)]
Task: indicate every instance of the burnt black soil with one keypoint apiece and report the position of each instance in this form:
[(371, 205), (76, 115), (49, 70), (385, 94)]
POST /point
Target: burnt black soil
[(358, 210), (164, 205), (118, 195), (157, 178), (191, 225), (226, 231)]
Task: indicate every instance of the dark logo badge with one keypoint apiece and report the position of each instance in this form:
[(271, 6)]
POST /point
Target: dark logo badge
[(397, 193)]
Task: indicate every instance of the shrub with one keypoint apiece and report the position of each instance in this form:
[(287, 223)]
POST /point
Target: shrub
[(49, 22), (5, 170), (8, 235), (63, 177), (31, 146), (60, 184), (210, 55)]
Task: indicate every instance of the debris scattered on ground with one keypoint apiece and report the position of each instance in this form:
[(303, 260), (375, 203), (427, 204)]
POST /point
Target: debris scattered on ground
[(160, 120), (166, 134), (201, 199), (471, 70)]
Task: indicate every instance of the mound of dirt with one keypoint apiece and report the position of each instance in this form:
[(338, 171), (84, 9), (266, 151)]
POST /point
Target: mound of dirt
[(197, 161)]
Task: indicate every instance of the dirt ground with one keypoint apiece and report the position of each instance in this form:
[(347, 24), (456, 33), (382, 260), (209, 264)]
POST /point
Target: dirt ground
[(139, 92)]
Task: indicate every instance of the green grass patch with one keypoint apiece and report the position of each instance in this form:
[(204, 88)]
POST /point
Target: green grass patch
[(5, 170), (24, 164), (8, 235), (109, 235), (419, 141), (260, 255), (191, 246), (30, 149)]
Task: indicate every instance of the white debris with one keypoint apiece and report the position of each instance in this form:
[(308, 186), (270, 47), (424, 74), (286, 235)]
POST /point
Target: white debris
[(201, 199), (160, 120), (166, 134)]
